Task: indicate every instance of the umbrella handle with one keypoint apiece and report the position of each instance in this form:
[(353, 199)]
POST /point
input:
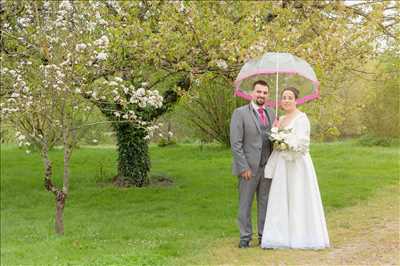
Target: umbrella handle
[(276, 122), (277, 85)]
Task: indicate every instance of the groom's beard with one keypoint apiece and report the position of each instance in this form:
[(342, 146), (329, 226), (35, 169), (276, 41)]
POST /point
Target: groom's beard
[(260, 101)]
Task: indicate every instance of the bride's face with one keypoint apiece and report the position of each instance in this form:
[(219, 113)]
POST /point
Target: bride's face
[(288, 101)]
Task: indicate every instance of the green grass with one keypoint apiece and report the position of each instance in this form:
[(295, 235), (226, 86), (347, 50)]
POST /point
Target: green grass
[(105, 225)]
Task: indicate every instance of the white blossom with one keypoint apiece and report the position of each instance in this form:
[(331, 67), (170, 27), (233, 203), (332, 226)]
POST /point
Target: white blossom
[(101, 56), (140, 92), (66, 5), (6, 26), (24, 22), (46, 4), (222, 64), (79, 47), (102, 42), (62, 51), (115, 5)]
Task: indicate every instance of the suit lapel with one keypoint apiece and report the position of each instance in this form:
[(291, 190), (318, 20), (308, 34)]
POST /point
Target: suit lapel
[(255, 118), (268, 117)]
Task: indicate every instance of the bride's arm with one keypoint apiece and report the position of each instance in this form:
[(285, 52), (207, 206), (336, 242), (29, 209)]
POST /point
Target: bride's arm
[(302, 134)]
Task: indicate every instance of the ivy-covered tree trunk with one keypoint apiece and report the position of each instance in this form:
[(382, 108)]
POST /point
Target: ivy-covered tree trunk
[(133, 156), (133, 150)]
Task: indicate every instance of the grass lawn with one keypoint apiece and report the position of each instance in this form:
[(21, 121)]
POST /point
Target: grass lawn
[(166, 225)]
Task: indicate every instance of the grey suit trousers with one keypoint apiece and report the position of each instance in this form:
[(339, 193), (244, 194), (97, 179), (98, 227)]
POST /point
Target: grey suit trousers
[(247, 188)]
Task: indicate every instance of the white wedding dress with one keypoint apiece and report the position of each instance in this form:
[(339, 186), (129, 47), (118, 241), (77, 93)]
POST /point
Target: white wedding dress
[(295, 216)]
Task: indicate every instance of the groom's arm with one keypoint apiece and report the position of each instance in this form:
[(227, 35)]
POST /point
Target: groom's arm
[(236, 139)]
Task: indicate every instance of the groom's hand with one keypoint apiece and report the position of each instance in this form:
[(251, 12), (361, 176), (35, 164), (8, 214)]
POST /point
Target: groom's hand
[(246, 174)]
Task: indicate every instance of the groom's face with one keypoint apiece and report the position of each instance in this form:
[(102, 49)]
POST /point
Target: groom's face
[(260, 94)]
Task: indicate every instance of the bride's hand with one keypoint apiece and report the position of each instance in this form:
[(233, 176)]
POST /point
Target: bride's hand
[(276, 123)]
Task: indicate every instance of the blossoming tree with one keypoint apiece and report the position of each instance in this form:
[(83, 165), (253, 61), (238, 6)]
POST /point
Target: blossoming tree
[(54, 72)]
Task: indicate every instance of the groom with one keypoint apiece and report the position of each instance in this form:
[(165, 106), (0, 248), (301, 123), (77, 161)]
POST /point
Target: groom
[(251, 148)]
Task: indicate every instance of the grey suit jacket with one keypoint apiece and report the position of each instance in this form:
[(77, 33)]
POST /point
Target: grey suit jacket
[(246, 139)]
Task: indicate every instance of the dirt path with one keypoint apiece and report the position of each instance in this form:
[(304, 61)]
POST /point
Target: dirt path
[(365, 234)]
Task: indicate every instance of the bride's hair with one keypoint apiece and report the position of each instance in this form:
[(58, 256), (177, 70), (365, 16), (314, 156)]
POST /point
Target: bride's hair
[(292, 89)]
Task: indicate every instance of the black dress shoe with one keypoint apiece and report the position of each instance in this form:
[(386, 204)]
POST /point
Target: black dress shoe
[(244, 244)]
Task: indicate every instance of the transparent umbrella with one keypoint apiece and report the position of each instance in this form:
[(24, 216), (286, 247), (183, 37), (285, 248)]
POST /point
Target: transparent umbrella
[(279, 70)]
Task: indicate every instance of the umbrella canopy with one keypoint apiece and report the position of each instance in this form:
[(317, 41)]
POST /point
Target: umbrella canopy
[(279, 70)]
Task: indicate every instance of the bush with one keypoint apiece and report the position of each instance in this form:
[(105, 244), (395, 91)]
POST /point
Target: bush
[(210, 108), (370, 140), (381, 114), (165, 142)]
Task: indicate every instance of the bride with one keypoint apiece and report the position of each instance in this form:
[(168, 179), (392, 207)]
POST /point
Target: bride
[(295, 216)]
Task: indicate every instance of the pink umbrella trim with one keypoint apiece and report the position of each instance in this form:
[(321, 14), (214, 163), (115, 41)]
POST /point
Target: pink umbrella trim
[(307, 98), (271, 71)]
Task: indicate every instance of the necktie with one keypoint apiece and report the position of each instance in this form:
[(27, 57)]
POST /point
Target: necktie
[(262, 116)]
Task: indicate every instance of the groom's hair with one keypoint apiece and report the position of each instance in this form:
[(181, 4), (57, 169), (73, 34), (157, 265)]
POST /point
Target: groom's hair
[(292, 89), (260, 82)]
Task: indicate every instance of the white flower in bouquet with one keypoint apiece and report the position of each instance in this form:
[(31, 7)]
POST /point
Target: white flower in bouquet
[(285, 140), (283, 146), (274, 130), (279, 138)]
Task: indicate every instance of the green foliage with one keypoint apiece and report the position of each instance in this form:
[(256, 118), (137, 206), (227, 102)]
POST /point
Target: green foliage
[(381, 115), (163, 142), (96, 130), (211, 32), (106, 225), (370, 140), (209, 108), (133, 155), (7, 134)]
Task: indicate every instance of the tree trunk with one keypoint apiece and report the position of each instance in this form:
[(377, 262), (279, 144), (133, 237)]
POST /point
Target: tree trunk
[(60, 196), (133, 156), (60, 203)]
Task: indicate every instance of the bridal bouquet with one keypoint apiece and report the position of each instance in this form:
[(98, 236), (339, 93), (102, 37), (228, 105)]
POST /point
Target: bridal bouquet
[(279, 138), (285, 140)]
